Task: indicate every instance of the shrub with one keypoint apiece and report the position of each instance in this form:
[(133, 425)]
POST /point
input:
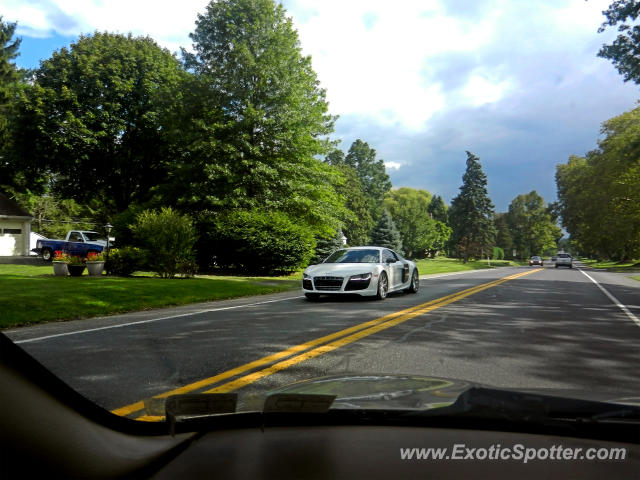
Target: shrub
[(498, 253), (254, 242), (167, 237), (124, 261)]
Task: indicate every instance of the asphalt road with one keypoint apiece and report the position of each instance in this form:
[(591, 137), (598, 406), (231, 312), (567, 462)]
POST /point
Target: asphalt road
[(537, 328)]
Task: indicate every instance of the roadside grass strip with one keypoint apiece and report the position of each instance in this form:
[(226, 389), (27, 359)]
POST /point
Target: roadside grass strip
[(309, 350)]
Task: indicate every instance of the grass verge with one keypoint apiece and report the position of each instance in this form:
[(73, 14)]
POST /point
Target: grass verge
[(445, 265), (630, 266), (32, 294)]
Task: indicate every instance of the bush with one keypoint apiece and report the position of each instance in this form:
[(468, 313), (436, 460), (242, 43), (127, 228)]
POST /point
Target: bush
[(167, 238), (254, 242), (498, 253), (124, 261)]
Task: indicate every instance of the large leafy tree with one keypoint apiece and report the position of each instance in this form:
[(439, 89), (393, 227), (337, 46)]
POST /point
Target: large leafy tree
[(409, 209), (531, 226), (624, 52), (599, 195), (471, 214), (261, 118), (96, 116), (371, 172)]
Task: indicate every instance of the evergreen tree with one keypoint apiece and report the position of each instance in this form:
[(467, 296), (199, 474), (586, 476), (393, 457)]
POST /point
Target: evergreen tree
[(438, 209), (326, 246), (504, 240), (471, 214), (385, 233)]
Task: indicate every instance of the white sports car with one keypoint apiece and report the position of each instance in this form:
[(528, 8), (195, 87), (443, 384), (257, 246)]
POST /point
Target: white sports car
[(362, 271)]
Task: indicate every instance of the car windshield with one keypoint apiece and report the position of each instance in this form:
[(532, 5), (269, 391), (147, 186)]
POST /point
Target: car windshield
[(354, 256), (305, 189)]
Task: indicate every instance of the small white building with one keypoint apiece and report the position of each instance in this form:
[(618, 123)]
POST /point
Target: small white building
[(15, 228)]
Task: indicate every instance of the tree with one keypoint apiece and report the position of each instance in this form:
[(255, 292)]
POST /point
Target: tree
[(358, 224), (385, 233), (624, 52), (96, 116), (409, 209), (471, 214), (437, 209), (325, 246), (264, 118), (599, 194), (503, 235), (372, 174), (54, 217), (531, 226), (8, 74)]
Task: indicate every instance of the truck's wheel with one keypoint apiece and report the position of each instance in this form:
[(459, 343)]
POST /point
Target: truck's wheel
[(47, 254)]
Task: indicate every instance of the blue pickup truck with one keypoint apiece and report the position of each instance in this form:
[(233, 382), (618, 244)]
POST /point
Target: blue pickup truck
[(78, 242)]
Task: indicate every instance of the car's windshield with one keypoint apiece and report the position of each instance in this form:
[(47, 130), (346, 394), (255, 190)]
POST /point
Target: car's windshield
[(354, 256), (298, 189)]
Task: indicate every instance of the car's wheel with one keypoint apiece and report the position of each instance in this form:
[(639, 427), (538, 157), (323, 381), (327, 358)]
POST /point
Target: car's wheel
[(312, 296), (414, 286), (383, 286), (47, 254), (570, 266), (556, 266)]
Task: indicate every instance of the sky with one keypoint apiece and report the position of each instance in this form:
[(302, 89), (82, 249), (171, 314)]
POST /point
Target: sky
[(518, 83)]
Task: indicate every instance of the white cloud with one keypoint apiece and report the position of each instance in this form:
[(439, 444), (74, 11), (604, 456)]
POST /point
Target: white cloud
[(392, 165), (168, 22)]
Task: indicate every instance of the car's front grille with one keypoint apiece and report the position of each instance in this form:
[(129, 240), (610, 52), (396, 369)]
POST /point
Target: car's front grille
[(328, 283)]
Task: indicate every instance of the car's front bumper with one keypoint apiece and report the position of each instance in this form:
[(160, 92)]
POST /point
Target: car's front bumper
[(335, 285)]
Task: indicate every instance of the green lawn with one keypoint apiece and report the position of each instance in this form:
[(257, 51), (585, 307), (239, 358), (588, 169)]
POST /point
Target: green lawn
[(32, 294), (636, 278), (630, 266), (445, 265)]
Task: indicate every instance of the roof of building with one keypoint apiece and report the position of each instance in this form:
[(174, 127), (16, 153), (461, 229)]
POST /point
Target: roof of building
[(10, 208)]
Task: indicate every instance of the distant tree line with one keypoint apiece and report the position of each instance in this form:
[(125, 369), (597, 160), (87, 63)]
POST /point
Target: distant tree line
[(599, 194)]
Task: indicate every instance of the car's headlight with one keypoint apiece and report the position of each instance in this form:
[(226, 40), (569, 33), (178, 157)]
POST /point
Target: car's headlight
[(363, 277), (306, 276)]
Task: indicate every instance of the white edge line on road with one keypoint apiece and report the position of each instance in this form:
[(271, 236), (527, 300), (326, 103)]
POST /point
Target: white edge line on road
[(152, 320), (612, 298)]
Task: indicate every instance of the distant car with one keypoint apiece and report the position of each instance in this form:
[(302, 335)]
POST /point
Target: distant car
[(367, 271), (535, 260), (564, 260)]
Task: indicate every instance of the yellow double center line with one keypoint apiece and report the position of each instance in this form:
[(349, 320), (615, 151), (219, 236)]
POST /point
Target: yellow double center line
[(322, 345)]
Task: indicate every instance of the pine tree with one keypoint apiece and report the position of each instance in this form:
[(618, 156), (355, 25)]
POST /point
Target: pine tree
[(326, 246), (438, 209), (471, 214), (385, 233)]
